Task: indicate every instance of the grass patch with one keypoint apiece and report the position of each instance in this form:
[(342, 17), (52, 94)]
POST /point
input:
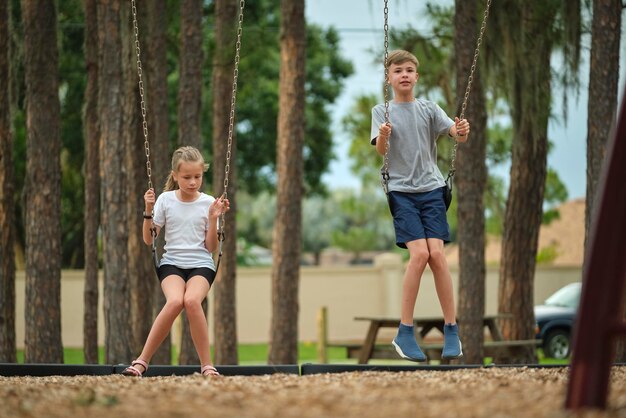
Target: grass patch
[(251, 354)]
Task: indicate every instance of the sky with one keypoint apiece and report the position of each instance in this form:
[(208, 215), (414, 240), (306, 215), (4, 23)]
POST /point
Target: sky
[(360, 24)]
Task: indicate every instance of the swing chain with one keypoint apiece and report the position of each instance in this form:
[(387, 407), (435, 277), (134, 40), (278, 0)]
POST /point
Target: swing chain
[(385, 172), (231, 121), (470, 79), (146, 143), (144, 124)]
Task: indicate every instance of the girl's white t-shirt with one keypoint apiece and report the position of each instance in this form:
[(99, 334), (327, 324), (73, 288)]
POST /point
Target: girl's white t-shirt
[(185, 226)]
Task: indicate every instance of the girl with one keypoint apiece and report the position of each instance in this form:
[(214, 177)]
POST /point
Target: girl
[(187, 270)]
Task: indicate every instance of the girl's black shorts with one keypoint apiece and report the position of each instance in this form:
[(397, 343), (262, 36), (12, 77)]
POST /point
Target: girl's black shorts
[(186, 274)]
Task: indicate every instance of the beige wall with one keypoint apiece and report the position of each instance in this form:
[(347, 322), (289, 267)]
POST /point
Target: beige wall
[(346, 292)]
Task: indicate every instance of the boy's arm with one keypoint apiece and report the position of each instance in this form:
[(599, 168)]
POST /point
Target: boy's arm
[(460, 130), (383, 136)]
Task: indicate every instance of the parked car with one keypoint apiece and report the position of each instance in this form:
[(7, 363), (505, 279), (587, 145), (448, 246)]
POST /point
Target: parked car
[(555, 321)]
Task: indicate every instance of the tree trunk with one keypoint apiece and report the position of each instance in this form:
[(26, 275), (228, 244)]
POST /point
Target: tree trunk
[(222, 82), (471, 180), (140, 267), (7, 232), (531, 100), (43, 185), (111, 101), (158, 127), (286, 246), (189, 107), (92, 186), (602, 104), (190, 81)]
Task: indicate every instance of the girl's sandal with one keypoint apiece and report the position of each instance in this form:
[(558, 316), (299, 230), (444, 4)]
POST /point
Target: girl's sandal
[(134, 371), (209, 370)]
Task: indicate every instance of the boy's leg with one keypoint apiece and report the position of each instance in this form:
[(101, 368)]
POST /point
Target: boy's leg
[(445, 292), (404, 342), (173, 287), (418, 257), (443, 279), (195, 292)]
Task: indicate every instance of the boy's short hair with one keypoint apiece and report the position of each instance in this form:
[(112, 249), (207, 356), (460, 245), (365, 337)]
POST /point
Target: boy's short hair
[(401, 56)]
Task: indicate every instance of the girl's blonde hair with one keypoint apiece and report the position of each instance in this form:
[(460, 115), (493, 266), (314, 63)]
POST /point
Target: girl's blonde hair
[(183, 155)]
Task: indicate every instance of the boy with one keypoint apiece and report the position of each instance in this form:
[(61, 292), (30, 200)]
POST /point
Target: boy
[(415, 194)]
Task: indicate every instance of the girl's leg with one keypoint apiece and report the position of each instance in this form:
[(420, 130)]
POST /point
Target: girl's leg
[(196, 290), (174, 288), (418, 257), (443, 279)]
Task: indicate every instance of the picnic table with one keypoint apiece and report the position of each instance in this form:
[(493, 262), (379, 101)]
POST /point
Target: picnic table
[(494, 344)]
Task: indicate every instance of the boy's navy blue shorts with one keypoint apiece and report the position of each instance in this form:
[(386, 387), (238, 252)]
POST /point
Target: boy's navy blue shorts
[(186, 274), (419, 216)]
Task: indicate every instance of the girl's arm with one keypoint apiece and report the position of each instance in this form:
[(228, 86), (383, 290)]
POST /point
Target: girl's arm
[(149, 198), (217, 208)]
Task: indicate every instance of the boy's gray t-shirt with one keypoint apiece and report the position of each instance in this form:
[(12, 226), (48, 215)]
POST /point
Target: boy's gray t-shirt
[(412, 154)]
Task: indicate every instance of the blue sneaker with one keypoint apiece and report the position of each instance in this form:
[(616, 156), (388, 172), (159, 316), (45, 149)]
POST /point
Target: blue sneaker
[(451, 342), (406, 345)]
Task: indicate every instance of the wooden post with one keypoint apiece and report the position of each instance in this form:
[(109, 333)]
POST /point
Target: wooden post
[(322, 334)]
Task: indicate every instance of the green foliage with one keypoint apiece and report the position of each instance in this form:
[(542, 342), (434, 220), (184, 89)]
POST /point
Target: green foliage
[(352, 221), (547, 255), (72, 84), (358, 123), (366, 224), (320, 220), (255, 217), (257, 105), (257, 100), (555, 193)]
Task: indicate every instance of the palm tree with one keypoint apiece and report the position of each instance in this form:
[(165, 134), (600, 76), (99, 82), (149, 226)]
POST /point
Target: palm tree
[(471, 182), (222, 82), (602, 104), (524, 38), (7, 234), (189, 107), (158, 127), (142, 278), (111, 102), (43, 185), (92, 185), (190, 82), (286, 246)]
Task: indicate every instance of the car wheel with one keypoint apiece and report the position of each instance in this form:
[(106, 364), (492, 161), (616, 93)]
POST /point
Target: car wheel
[(557, 344)]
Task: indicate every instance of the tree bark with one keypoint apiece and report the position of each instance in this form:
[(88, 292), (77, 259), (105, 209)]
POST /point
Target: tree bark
[(43, 185), (286, 245), (190, 81), (530, 90), (92, 186), (471, 180), (140, 266), (602, 100), (189, 107), (7, 231), (111, 101), (222, 81), (158, 127), (602, 104)]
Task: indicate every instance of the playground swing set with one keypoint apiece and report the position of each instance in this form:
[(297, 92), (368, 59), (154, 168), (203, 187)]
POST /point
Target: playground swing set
[(588, 386), (601, 315)]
